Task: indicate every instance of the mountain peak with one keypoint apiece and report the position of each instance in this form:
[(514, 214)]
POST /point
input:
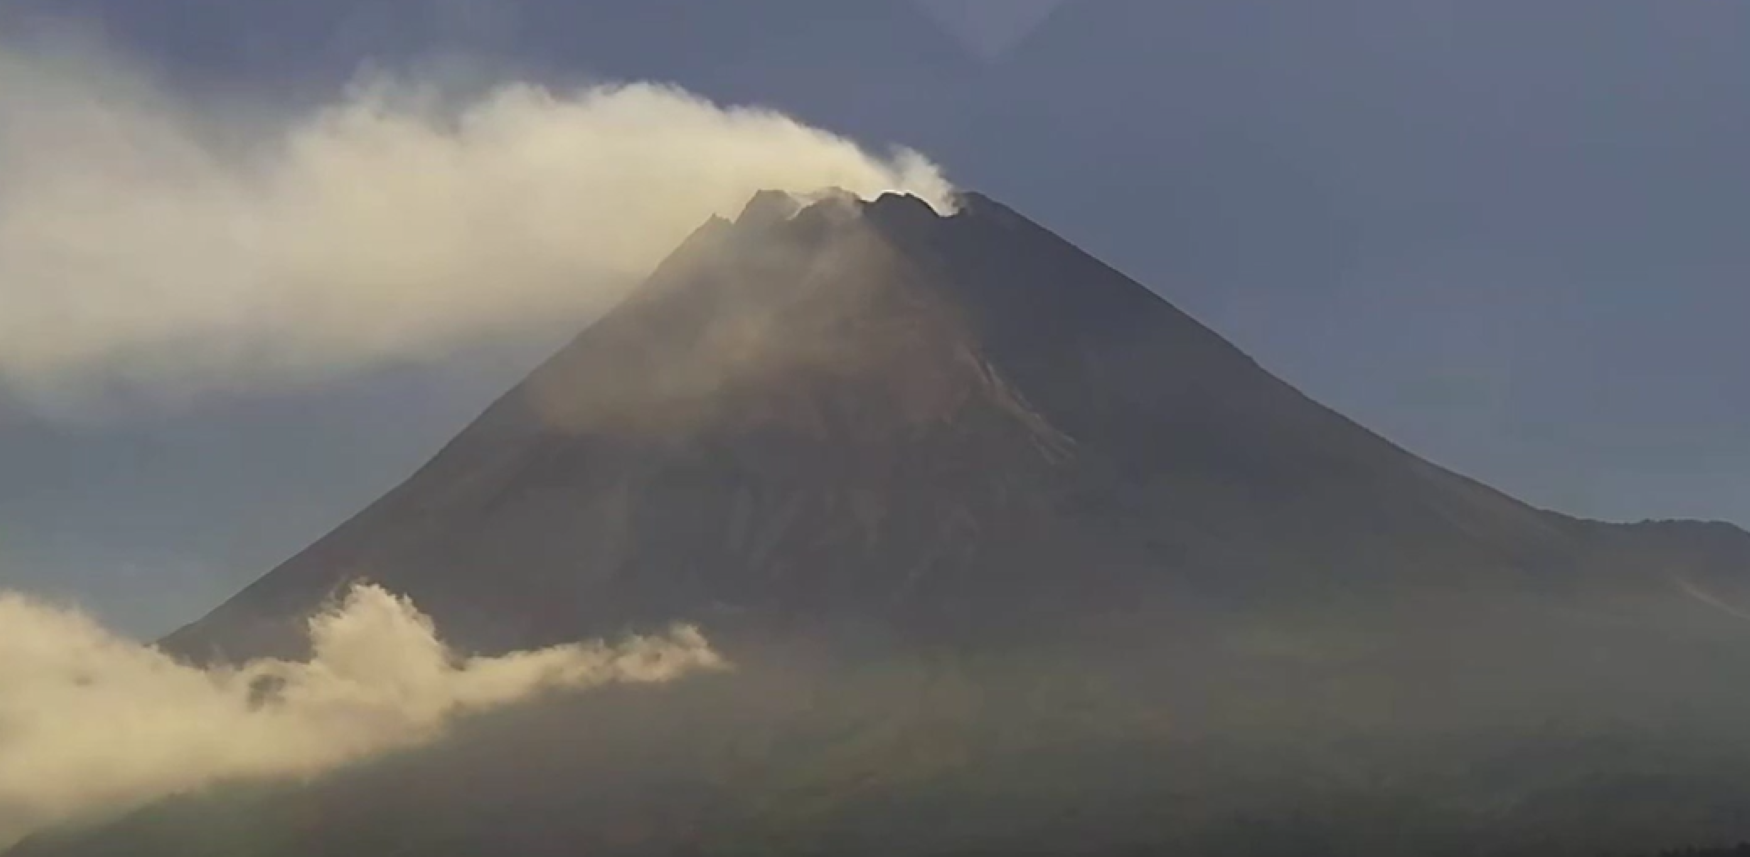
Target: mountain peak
[(768, 207), (836, 413)]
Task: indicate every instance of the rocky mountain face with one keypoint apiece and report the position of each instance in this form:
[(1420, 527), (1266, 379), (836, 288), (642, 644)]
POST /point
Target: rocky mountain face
[(1468, 226), (850, 412), (844, 418), (998, 537)]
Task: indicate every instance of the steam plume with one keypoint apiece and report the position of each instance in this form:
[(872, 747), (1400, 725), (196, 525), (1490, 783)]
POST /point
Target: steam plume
[(90, 722), (153, 245)]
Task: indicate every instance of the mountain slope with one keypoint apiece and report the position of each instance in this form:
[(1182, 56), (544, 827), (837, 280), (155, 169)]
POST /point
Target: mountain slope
[(1449, 220), (1012, 557), (868, 414)]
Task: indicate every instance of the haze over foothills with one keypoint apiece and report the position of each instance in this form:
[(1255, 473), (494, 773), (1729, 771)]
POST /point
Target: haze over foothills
[(95, 725)]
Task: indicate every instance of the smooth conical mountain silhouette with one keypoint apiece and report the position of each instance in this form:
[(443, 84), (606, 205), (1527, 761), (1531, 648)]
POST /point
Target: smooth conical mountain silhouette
[(840, 414)]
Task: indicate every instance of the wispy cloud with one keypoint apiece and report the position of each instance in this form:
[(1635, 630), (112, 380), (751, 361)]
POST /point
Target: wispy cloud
[(91, 722), (152, 244)]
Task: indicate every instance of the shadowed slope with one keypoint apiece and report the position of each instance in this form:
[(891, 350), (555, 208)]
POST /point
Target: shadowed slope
[(1010, 554), (846, 414)]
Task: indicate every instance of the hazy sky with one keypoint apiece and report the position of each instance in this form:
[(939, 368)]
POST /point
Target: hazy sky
[(1507, 233), (991, 28)]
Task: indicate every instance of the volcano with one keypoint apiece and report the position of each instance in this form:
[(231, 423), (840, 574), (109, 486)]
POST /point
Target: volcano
[(832, 416), (1011, 557)]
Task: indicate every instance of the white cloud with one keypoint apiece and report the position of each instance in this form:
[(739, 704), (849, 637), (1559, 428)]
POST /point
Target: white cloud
[(149, 244), (91, 722)]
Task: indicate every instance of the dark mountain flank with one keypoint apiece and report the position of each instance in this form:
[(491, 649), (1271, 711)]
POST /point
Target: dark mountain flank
[(848, 416), (1012, 557)]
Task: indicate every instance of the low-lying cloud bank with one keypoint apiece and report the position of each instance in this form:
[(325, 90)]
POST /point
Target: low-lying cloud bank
[(93, 723), (155, 245)]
